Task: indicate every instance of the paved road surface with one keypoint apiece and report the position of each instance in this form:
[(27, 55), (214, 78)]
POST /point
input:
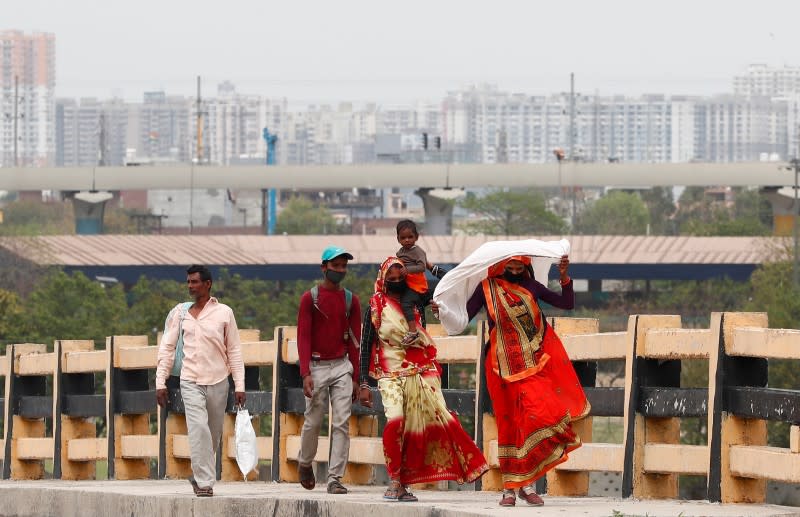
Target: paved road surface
[(175, 498)]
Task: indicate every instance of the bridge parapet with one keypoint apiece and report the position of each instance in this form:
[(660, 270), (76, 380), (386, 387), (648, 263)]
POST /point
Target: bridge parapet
[(736, 404)]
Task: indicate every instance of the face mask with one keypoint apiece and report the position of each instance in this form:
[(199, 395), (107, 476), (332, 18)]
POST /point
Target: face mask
[(515, 278), (335, 276), (398, 286)]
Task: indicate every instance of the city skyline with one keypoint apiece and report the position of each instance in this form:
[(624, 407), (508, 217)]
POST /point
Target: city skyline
[(359, 51)]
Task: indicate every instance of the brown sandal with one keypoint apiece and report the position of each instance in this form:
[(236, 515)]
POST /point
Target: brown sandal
[(200, 492), (397, 492), (307, 479), (336, 487), (204, 492)]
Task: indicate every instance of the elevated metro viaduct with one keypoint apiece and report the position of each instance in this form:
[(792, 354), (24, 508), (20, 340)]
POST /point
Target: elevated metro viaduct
[(282, 257), (436, 183)]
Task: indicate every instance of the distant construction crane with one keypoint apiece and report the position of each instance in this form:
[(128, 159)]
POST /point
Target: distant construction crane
[(199, 124), (270, 139)]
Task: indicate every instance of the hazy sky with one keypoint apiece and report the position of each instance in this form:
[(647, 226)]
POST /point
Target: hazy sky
[(407, 49)]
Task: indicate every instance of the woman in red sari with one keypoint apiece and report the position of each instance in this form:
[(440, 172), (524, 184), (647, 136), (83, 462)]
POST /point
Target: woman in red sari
[(533, 386), (423, 441)]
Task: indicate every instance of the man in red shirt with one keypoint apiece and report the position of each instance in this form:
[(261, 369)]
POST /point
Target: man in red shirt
[(328, 333)]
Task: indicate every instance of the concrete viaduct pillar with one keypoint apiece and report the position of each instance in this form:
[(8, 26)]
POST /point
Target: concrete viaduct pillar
[(438, 204), (89, 207)]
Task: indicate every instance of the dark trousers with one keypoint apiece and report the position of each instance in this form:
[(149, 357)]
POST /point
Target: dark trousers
[(408, 301)]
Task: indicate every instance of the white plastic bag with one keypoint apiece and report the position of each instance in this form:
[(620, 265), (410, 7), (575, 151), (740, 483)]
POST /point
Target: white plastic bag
[(246, 453)]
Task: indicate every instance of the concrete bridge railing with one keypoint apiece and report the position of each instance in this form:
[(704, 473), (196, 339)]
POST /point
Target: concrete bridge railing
[(53, 402)]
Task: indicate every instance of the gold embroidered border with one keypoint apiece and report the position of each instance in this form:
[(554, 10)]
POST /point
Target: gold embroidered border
[(534, 439), (558, 452)]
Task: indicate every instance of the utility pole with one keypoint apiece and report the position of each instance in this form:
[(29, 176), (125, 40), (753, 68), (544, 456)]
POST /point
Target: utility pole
[(795, 165), (199, 107), (101, 153), (199, 124), (571, 139), (16, 118)]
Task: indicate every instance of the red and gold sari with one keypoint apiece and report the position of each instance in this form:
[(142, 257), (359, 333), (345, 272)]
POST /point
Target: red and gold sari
[(423, 441), (534, 389)]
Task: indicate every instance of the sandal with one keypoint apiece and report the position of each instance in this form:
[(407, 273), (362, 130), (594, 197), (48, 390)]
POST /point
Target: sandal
[(204, 492), (397, 492), (200, 492), (306, 473), (335, 487), (392, 492), (407, 497)]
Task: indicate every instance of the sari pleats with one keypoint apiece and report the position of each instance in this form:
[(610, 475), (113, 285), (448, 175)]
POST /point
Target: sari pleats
[(424, 442), (534, 415)]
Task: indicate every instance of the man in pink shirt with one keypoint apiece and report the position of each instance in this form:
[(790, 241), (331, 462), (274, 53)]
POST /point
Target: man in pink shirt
[(211, 351), (328, 333)]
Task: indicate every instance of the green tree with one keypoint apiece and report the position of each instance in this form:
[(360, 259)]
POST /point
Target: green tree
[(703, 215), (118, 221), (37, 218), (661, 206), (265, 305), (73, 306), (150, 301), (774, 292), (618, 213), (19, 274), (301, 217), (751, 204), (512, 213), (10, 314)]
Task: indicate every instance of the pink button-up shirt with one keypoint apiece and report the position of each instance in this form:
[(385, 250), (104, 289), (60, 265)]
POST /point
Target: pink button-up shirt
[(211, 347)]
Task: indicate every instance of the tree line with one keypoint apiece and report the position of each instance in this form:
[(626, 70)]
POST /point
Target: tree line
[(653, 211), (53, 304), (59, 305)]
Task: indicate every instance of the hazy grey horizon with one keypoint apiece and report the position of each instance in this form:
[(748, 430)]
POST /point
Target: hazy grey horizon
[(362, 51)]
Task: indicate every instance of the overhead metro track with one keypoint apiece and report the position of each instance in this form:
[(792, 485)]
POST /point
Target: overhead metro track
[(430, 175)]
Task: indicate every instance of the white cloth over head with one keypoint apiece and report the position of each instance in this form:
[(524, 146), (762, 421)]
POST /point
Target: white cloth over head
[(457, 286)]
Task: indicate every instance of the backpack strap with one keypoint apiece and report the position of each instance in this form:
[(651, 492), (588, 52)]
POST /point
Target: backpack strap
[(348, 301), (315, 296), (315, 299), (178, 362), (185, 306)]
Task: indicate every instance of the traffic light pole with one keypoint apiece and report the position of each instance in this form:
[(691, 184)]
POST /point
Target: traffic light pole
[(795, 272)]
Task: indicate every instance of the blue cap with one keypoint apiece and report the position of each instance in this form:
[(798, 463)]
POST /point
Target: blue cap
[(331, 252)]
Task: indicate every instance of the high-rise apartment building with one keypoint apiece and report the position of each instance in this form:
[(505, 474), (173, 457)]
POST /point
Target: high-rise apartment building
[(27, 83), (767, 81), (90, 132), (161, 128)]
